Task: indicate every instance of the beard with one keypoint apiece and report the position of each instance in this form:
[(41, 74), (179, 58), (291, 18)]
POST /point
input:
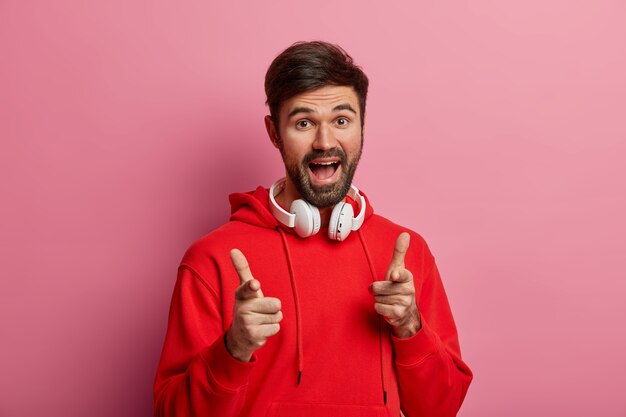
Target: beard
[(324, 195)]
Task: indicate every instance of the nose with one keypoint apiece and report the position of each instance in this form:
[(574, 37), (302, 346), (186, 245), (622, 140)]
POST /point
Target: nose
[(325, 138)]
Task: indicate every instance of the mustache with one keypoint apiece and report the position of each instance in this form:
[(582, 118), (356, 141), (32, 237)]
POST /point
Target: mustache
[(335, 152)]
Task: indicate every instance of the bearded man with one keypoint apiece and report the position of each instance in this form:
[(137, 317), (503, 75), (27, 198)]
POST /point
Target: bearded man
[(306, 303)]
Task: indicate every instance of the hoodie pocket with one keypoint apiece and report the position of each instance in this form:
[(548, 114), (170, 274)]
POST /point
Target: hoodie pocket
[(285, 409)]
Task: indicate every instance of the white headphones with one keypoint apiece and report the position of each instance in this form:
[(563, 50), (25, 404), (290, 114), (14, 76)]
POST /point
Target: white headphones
[(305, 217)]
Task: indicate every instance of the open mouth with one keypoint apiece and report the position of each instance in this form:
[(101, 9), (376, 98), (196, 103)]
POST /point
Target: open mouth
[(324, 171)]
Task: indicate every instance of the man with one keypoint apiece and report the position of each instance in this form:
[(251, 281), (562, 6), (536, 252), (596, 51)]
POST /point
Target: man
[(306, 303)]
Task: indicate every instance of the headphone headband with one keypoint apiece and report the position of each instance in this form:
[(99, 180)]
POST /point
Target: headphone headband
[(280, 213)]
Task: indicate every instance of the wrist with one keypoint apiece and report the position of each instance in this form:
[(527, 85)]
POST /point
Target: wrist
[(408, 329), (235, 349)]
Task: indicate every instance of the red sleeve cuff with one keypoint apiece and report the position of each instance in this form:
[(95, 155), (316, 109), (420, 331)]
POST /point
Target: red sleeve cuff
[(226, 371), (413, 350)]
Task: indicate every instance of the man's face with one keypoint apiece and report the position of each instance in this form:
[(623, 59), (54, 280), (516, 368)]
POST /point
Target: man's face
[(320, 139)]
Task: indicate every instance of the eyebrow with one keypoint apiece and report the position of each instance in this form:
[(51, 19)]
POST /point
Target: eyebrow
[(307, 110), (345, 106)]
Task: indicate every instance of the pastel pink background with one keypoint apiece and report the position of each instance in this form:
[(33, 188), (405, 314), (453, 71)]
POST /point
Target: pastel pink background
[(495, 129)]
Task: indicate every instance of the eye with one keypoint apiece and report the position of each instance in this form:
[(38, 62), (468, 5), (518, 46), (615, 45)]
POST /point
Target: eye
[(343, 121), (303, 124)]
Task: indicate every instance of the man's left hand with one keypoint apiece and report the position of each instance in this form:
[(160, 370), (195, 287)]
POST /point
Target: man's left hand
[(395, 296)]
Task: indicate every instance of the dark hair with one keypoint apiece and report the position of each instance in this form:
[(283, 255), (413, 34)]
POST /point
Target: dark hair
[(306, 66)]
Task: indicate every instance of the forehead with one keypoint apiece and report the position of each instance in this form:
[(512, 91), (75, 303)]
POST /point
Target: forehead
[(322, 99)]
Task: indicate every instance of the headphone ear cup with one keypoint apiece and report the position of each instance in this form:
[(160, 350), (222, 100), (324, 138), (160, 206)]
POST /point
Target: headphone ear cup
[(307, 218), (340, 224)]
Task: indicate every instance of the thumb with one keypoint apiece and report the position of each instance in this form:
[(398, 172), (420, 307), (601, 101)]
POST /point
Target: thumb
[(399, 252), (248, 286)]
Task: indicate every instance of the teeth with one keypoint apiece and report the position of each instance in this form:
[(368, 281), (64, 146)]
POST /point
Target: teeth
[(324, 163)]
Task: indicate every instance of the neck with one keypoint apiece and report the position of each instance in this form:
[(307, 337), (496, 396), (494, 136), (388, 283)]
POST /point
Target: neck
[(289, 194)]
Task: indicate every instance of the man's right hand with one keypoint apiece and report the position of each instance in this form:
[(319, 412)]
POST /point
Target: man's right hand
[(255, 317)]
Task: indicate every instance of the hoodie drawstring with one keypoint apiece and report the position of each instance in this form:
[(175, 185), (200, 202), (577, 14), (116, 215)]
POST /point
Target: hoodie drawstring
[(299, 349), (381, 327), (296, 303)]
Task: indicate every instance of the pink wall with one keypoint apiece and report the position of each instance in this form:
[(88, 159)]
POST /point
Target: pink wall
[(495, 129)]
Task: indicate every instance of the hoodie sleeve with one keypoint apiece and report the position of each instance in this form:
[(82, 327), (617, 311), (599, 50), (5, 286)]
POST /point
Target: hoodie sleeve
[(196, 374), (432, 378)]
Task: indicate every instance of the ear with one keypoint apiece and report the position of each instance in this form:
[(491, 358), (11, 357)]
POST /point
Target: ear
[(271, 130)]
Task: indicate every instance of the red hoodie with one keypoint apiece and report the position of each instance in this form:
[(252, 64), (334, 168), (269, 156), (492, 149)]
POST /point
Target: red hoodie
[(334, 355)]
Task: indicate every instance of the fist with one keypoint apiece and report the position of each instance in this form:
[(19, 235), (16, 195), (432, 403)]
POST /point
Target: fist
[(255, 317)]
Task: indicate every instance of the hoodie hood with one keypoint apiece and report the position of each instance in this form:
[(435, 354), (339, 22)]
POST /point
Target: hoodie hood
[(253, 208)]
